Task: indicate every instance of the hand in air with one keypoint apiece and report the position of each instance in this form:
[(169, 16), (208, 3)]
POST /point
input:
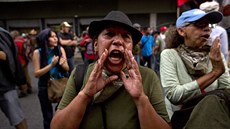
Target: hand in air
[(215, 56), (132, 82), (62, 61), (54, 60), (96, 82)]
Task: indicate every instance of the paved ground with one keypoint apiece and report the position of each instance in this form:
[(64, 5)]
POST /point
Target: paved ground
[(30, 104)]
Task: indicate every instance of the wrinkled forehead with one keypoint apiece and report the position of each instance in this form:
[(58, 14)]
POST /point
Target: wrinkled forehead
[(117, 29)]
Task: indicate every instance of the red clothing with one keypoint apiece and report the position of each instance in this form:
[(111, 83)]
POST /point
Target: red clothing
[(20, 45), (85, 43)]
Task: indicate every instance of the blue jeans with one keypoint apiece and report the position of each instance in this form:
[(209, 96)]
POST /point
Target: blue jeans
[(137, 58), (157, 63), (46, 107), (148, 60)]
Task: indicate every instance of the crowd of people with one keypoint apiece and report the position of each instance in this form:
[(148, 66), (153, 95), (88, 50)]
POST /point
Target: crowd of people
[(137, 77)]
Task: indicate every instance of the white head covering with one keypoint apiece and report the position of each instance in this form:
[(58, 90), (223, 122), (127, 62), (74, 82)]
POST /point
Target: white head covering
[(210, 6)]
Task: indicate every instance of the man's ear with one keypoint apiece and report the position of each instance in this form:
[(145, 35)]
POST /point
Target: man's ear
[(95, 45), (181, 32)]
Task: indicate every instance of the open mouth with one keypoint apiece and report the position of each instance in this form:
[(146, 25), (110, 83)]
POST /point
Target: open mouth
[(116, 56), (206, 37)]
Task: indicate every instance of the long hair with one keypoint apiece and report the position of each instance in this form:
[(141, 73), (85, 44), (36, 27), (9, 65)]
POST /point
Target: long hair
[(173, 39), (43, 41)]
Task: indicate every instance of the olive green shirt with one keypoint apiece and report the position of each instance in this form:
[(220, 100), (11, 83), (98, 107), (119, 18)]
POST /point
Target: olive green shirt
[(118, 111)]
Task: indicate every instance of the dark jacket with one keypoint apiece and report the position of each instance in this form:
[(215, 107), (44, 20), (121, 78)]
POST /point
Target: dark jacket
[(11, 72), (68, 49)]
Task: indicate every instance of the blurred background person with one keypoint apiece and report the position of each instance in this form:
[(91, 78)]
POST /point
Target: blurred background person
[(68, 43), (89, 53), (23, 57), (217, 30), (163, 30), (225, 9), (158, 48), (11, 74), (136, 49), (147, 44), (82, 48), (32, 42)]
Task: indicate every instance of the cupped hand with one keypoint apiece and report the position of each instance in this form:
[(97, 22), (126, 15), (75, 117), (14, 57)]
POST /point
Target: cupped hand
[(215, 57), (54, 60), (96, 81), (62, 61), (132, 81)]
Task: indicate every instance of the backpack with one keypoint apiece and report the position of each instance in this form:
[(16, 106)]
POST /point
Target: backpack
[(79, 76), (22, 48)]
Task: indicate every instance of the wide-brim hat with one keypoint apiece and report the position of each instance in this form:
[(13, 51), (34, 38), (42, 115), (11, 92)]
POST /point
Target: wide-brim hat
[(197, 14), (117, 18)]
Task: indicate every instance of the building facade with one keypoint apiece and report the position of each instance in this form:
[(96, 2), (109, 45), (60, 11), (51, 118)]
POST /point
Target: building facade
[(24, 15)]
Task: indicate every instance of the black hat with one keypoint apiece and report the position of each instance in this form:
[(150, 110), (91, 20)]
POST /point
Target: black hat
[(114, 17)]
